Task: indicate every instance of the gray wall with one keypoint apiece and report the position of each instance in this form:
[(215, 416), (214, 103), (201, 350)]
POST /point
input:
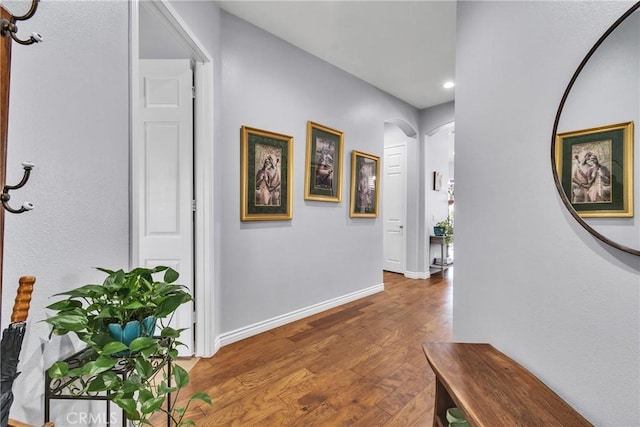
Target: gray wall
[(275, 267), (529, 279), (433, 117), (562, 303), (69, 115)]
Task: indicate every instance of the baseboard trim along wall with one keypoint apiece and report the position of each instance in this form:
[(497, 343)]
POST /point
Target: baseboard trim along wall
[(416, 275), (265, 325)]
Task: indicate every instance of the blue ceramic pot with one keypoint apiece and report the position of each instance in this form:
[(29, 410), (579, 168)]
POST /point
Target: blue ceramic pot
[(132, 330)]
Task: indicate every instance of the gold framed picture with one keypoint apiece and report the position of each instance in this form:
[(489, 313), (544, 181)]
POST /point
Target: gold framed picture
[(365, 185), (323, 163), (266, 173)]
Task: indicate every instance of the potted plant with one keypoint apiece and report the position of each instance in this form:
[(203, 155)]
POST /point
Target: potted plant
[(124, 323), (446, 230)]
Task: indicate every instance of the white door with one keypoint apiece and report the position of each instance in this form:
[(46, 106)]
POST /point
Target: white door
[(394, 208), (163, 176)]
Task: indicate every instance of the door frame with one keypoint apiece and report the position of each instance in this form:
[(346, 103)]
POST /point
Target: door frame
[(205, 341)]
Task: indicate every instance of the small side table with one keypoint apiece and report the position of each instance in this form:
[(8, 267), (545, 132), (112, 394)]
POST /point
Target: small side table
[(439, 240)]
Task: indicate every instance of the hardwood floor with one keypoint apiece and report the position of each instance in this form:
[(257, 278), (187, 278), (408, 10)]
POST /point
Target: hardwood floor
[(360, 364)]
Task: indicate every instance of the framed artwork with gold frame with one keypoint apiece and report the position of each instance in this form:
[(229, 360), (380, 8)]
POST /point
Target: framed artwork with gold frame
[(323, 163), (595, 168), (266, 173), (365, 185)]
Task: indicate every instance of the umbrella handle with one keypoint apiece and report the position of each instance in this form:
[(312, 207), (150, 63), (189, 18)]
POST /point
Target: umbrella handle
[(23, 299)]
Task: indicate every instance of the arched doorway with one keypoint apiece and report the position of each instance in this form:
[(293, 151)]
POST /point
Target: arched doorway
[(439, 170)]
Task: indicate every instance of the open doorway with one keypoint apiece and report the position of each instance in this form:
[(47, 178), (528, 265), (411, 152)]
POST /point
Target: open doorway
[(159, 33), (399, 143), (440, 207)]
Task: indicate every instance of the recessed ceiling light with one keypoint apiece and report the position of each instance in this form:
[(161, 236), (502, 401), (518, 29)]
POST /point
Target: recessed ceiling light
[(448, 85)]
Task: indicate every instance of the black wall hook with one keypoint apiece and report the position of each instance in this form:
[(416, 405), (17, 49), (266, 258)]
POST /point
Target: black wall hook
[(9, 27), (5, 197)]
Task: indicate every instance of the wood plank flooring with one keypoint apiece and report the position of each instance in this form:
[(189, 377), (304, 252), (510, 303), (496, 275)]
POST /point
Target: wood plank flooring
[(360, 364)]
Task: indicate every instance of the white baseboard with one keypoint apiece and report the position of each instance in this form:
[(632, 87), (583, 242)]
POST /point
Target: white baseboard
[(251, 330), (417, 275)]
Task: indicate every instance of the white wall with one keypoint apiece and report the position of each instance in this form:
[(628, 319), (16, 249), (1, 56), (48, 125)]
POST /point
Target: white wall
[(69, 115), (272, 268), (529, 279)]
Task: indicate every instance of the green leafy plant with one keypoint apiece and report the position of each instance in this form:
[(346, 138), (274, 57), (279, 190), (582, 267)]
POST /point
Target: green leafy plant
[(137, 376), (447, 228)]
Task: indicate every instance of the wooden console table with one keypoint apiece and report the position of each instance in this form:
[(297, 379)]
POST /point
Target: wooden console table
[(493, 390)]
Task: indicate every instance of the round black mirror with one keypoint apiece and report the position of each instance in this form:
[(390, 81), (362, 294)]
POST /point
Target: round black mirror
[(594, 149)]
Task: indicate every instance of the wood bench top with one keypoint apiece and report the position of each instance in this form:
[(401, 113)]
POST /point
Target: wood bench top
[(494, 390)]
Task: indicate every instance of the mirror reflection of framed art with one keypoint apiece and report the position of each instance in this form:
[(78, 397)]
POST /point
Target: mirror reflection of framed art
[(595, 167)]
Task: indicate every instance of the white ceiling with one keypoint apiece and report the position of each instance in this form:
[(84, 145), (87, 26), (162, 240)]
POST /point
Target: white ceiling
[(405, 48)]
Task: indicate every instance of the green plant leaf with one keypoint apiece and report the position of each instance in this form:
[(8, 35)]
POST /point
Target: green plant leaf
[(171, 275), (58, 369), (101, 364), (111, 380), (100, 339), (145, 395), (187, 423), (134, 305), (117, 276), (129, 406), (86, 291), (107, 312), (170, 304), (64, 304), (169, 332), (149, 351), (143, 367), (114, 347), (130, 386), (164, 389), (202, 396), (106, 362), (181, 376), (104, 270), (142, 342), (97, 384), (67, 322), (152, 405)]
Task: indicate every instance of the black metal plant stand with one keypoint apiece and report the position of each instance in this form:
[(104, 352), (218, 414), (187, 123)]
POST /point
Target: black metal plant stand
[(73, 388)]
